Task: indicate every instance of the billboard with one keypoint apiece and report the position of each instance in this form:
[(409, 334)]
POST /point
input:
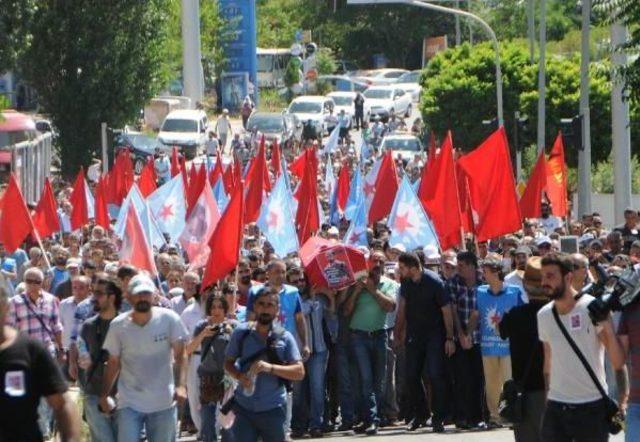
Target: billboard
[(239, 49), (431, 46)]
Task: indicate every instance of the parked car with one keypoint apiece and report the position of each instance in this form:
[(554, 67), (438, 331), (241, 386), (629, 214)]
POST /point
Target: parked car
[(344, 101), (140, 146), (384, 99), (402, 145), (314, 108), (378, 77), (342, 83), (410, 83), (286, 128), (186, 129), (346, 67)]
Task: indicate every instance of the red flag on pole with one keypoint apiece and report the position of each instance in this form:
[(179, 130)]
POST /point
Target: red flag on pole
[(147, 179), (531, 200), (199, 227), (196, 185), (175, 162), (297, 166), (225, 240), (386, 188), (101, 210), (227, 179), (343, 186), (492, 188), (308, 215), (45, 218), (15, 221), (276, 159), (135, 249), (441, 200), (255, 186), (557, 178), (78, 199), (216, 172)]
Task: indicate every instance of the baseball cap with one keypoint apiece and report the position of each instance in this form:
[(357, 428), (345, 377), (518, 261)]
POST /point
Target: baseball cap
[(524, 250), (450, 258), (141, 284), (73, 263), (431, 253), (9, 265), (543, 240), (492, 260)]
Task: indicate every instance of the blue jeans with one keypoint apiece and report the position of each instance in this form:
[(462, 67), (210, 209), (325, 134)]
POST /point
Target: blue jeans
[(267, 425), (348, 384), (160, 426), (209, 419), (632, 430), (101, 426), (370, 351), (309, 397)]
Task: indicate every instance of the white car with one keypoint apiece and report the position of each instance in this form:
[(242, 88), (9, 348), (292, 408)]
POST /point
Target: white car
[(344, 101), (410, 83), (379, 77), (186, 129), (383, 100), (314, 108), (403, 145)]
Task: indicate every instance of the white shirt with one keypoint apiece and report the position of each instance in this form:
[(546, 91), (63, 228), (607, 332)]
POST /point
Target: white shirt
[(550, 224), (191, 316), (178, 303), (569, 381), (212, 146), (223, 125), (514, 278), (93, 172), (68, 308), (162, 167)]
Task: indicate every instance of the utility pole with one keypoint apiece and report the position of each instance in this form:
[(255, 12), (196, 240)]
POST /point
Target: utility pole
[(584, 154), (542, 77), (621, 137), (457, 17), (531, 29), (105, 146), (191, 55)]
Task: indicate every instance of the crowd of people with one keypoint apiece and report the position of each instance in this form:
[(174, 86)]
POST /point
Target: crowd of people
[(427, 338)]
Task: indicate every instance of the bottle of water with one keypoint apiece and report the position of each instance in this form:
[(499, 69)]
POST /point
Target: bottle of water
[(249, 391), (84, 359)]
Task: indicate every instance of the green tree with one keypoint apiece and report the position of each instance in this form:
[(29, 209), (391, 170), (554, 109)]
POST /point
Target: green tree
[(278, 21), (93, 62), (15, 16)]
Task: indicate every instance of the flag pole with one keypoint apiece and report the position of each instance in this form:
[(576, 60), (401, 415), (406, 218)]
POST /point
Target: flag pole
[(455, 180)]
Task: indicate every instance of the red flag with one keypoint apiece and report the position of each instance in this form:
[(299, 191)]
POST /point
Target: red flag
[(147, 179), (45, 218), (492, 188), (432, 153), (227, 179), (135, 250), (225, 240), (125, 176), (78, 199), (199, 227), (255, 186), (557, 178), (343, 186), (237, 169), (297, 167), (441, 200), (195, 186), (276, 159), (175, 162), (15, 221), (463, 196), (216, 172), (193, 174), (531, 200), (308, 215), (386, 188), (101, 210), (183, 170)]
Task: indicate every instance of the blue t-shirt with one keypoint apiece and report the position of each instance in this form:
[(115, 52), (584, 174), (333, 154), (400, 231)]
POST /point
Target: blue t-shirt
[(290, 305), (269, 392), (59, 276), (492, 308)]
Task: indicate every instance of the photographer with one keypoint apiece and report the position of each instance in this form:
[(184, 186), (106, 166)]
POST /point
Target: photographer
[(576, 410), (210, 339)]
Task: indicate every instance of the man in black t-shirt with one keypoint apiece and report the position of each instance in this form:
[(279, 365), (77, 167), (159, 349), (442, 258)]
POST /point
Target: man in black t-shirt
[(629, 229), (27, 374)]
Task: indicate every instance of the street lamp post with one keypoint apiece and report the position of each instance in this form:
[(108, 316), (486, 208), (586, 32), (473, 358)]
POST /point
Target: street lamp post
[(461, 13)]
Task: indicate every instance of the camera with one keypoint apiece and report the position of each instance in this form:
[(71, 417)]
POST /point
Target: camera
[(612, 293)]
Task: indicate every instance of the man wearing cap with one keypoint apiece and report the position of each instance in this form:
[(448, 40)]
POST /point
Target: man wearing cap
[(425, 324), (63, 290), (495, 299), (516, 277), (223, 128), (519, 326), (548, 222), (469, 392), (543, 243), (449, 265), (146, 355)]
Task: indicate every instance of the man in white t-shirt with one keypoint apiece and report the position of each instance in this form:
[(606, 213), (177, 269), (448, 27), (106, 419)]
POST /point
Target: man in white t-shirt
[(516, 277), (223, 128), (575, 408), (548, 222)]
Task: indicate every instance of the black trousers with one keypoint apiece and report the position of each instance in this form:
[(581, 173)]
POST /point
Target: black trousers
[(426, 353), (575, 422), (469, 385)]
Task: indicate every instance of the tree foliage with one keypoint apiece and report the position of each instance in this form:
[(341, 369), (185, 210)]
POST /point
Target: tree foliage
[(15, 16), (93, 62), (459, 93)]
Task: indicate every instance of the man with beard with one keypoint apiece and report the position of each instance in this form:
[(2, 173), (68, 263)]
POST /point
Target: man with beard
[(146, 350), (260, 355), (368, 303), (244, 281), (107, 298), (516, 277), (575, 408)]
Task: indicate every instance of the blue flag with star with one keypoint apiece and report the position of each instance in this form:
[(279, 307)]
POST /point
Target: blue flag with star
[(277, 220), (222, 199), (357, 232), (355, 194), (409, 223)]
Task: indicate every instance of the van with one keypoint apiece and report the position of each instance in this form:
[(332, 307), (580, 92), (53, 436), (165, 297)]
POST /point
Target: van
[(186, 129)]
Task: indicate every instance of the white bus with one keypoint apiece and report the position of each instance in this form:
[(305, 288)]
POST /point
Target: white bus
[(272, 64)]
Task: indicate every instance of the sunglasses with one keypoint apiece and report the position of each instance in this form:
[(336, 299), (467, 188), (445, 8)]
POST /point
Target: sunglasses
[(33, 281)]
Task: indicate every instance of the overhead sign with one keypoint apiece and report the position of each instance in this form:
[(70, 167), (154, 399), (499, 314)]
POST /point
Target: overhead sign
[(240, 49), (431, 46)]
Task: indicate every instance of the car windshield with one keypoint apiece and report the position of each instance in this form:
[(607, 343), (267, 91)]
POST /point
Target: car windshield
[(409, 77), (177, 125), (343, 101), (143, 142), (266, 123), (411, 144), (305, 107), (380, 94)]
